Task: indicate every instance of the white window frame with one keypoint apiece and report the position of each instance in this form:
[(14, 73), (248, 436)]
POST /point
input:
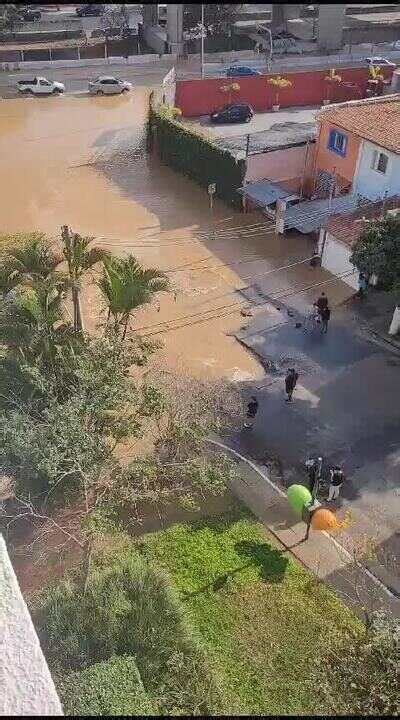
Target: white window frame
[(376, 156)]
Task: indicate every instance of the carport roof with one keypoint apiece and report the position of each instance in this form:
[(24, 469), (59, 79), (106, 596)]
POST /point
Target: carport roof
[(310, 215), (264, 192)]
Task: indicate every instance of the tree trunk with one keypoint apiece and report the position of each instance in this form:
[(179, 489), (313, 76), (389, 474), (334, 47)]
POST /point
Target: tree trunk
[(75, 301)]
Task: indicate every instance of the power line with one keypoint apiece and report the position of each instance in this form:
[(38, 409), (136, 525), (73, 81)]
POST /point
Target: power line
[(237, 305), (222, 307)]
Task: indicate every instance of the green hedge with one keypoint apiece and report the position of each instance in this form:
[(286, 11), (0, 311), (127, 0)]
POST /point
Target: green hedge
[(197, 157), (107, 688)]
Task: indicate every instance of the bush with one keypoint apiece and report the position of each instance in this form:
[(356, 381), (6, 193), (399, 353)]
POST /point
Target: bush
[(197, 157), (362, 677), (108, 688), (129, 608)]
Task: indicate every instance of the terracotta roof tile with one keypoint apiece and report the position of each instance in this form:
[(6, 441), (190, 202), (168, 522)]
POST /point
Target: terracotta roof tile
[(378, 122), (346, 228)]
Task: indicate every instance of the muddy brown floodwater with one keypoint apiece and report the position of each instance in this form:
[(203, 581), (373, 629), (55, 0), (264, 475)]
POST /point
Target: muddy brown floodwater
[(81, 161)]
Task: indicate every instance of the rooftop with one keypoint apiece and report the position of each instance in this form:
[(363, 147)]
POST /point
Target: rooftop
[(377, 120), (347, 228), (271, 131)]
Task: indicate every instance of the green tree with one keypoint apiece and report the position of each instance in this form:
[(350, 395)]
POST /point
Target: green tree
[(361, 677), (218, 17), (377, 250), (80, 258), (125, 286), (61, 441), (9, 16), (127, 608), (31, 320), (26, 257)]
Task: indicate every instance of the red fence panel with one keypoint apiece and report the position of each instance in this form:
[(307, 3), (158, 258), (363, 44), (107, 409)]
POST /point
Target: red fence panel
[(201, 97)]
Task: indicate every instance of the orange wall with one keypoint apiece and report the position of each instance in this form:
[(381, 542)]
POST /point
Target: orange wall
[(327, 160)]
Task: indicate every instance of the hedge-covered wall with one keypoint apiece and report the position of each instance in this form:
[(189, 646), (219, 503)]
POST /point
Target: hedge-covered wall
[(196, 156)]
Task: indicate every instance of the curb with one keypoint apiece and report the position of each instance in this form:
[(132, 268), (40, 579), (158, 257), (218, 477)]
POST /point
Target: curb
[(278, 490)]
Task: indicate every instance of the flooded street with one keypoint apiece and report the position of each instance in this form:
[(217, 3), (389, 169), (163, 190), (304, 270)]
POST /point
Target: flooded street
[(81, 161)]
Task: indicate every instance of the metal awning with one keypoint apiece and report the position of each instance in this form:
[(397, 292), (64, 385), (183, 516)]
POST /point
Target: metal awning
[(310, 215), (264, 192)]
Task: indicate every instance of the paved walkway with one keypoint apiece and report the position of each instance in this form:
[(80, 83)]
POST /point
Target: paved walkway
[(321, 553)]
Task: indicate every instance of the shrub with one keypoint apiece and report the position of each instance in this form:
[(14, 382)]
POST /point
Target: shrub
[(362, 677), (107, 688), (197, 157), (129, 608)]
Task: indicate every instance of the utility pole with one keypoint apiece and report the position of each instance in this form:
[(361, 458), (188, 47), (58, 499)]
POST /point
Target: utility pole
[(202, 41)]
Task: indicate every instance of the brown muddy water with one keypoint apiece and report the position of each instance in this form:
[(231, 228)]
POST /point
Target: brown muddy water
[(81, 161)]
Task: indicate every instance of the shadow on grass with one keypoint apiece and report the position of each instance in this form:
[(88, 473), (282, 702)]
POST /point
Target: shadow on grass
[(270, 562)]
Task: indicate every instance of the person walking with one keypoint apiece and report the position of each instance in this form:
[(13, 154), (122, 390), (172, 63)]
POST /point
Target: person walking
[(314, 469), (322, 302), (325, 315), (252, 410), (290, 383), (362, 285), (336, 482)]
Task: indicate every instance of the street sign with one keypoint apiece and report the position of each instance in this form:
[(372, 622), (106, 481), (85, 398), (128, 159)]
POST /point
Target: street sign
[(212, 188)]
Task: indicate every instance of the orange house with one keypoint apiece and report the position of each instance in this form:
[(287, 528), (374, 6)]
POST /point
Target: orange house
[(336, 156)]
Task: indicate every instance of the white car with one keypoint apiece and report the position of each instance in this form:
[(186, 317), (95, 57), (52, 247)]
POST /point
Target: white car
[(40, 86), (379, 61), (105, 85)]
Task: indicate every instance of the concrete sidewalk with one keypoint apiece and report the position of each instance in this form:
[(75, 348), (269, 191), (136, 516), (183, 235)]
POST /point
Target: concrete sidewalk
[(322, 554)]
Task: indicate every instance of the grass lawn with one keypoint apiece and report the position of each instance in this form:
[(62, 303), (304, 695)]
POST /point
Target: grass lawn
[(263, 619)]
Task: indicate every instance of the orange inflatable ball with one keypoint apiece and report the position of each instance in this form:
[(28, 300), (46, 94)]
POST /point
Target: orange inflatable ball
[(324, 519)]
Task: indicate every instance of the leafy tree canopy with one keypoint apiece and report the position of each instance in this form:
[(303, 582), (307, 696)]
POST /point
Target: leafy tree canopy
[(217, 18), (377, 250)]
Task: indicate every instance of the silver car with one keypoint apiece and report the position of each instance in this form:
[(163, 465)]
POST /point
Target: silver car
[(106, 85)]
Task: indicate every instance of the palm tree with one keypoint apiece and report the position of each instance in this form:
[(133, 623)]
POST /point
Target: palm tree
[(125, 286), (32, 319), (25, 258), (80, 258)]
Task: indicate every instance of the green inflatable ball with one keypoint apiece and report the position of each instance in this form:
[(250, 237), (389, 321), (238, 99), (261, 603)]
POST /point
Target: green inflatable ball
[(298, 497)]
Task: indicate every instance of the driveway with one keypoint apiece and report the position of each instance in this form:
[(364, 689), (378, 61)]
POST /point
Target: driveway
[(345, 408)]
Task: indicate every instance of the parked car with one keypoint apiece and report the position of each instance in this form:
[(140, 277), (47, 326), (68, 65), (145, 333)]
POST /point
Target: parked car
[(90, 10), (40, 86), (105, 85), (233, 113), (30, 15), (241, 71), (379, 61)]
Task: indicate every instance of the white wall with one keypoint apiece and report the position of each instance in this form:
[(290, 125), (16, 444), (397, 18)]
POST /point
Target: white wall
[(336, 259), (27, 687), (372, 184), (279, 165)]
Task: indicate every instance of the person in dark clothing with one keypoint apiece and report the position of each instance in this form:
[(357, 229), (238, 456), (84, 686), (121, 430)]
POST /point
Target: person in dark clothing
[(325, 315), (314, 468), (290, 383), (322, 302), (362, 285), (336, 482), (252, 410)]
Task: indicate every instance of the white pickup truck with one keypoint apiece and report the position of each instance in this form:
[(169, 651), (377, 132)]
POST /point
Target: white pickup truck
[(40, 86)]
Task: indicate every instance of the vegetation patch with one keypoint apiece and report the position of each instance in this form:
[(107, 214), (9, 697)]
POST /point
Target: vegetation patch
[(196, 156), (264, 621)]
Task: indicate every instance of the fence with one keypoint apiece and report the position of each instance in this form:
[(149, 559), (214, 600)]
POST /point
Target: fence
[(309, 88)]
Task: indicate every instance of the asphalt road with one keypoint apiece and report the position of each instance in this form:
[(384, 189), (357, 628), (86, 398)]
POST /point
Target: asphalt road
[(76, 79)]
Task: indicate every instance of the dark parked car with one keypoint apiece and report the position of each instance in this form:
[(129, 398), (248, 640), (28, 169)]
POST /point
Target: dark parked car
[(233, 113), (90, 10), (241, 71), (30, 15)]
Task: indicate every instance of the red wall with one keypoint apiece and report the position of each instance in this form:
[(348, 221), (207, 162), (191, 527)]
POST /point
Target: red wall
[(201, 97)]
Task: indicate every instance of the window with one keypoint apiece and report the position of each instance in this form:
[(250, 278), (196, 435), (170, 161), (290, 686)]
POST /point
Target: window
[(337, 142), (379, 162)]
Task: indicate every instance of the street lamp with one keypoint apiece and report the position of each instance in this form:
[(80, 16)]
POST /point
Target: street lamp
[(267, 30)]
